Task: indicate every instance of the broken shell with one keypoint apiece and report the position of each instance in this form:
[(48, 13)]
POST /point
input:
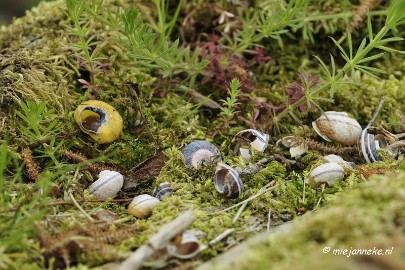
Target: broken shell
[(163, 190), (99, 120), (227, 181), (142, 205), (326, 173), (185, 247), (198, 153), (108, 184), (252, 138), (338, 127), (369, 145)]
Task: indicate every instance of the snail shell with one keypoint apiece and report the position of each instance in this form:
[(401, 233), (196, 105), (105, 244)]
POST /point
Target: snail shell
[(252, 138), (99, 120), (347, 166), (163, 190), (227, 181), (108, 184), (326, 173), (337, 127), (142, 205), (199, 152), (368, 147), (185, 247)]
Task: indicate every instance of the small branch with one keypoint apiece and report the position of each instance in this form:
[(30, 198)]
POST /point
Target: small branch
[(239, 213), (158, 241), (269, 219), (376, 112), (263, 190)]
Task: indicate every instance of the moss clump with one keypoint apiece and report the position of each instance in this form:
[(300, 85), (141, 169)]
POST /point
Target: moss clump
[(371, 214)]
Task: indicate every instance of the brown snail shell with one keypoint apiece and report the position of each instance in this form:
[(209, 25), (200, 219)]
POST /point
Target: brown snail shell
[(252, 138), (227, 181), (142, 205), (198, 153), (185, 247), (163, 190), (338, 127), (108, 184)]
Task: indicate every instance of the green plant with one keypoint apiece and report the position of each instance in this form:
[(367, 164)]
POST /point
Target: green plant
[(229, 105), (40, 122), (354, 60)]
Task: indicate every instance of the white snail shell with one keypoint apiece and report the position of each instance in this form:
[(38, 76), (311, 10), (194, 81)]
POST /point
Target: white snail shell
[(338, 127), (227, 181), (347, 166), (185, 247), (326, 173), (108, 184), (163, 190), (142, 205), (198, 153), (251, 138)]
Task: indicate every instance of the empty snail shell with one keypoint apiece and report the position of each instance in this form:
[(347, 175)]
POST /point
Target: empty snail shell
[(337, 127), (326, 173), (184, 247), (252, 138), (108, 184), (163, 190), (347, 166), (99, 120), (198, 153), (227, 181), (142, 205), (369, 145)]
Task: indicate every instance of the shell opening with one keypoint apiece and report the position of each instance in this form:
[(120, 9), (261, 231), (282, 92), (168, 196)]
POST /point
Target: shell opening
[(92, 118)]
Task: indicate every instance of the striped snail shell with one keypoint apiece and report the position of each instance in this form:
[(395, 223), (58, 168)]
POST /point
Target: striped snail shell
[(163, 190), (185, 247), (329, 173), (108, 184), (369, 145), (252, 138), (99, 120), (198, 153), (142, 205), (337, 127), (227, 181)]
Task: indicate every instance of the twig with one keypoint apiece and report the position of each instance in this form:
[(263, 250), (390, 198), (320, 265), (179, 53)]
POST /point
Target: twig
[(239, 213), (376, 112), (89, 201), (269, 219), (76, 203), (220, 237), (263, 190), (320, 198), (158, 241)]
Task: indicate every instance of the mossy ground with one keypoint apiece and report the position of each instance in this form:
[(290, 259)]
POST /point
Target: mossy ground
[(38, 64)]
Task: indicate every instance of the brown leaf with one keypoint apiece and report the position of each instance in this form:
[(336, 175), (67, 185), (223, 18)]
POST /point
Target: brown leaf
[(149, 169)]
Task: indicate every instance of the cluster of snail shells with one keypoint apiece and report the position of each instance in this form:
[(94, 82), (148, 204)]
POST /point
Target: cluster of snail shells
[(99, 120), (108, 185)]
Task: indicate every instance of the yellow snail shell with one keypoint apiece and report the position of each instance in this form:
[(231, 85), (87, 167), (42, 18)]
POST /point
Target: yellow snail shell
[(99, 120), (338, 127), (143, 205)]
